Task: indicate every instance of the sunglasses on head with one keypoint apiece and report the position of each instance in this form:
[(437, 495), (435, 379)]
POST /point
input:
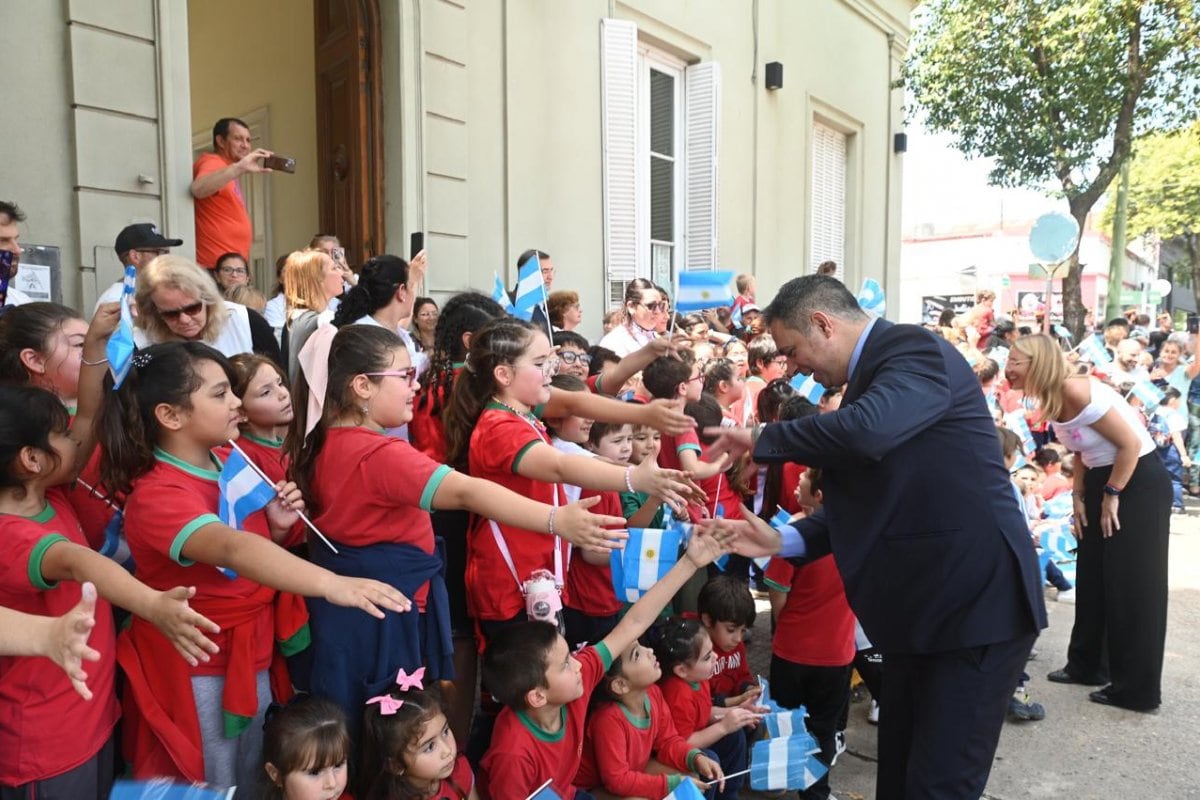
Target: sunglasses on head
[(175, 313)]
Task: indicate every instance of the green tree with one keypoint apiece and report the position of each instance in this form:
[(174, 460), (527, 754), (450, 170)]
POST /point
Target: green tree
[(1055, 90), (1164, 193)]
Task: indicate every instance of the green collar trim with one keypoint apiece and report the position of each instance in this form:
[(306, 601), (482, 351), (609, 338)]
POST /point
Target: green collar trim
[(541, 734), (641, 723), (264, 441), (43, 516), (205, 474)]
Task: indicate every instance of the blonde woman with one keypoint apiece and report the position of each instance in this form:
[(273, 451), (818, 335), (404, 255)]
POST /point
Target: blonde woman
[(1122, 519), (310, 280), (177, 300)]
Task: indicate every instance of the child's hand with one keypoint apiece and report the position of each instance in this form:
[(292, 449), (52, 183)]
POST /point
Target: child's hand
[(104, 322), (710, 540), (709, 770), (66, 644), (172, 615), (671, 485), (366, 594), (738, 718), (667, 416), (748, 696), (707, 469), (283, 511), (584, 529)]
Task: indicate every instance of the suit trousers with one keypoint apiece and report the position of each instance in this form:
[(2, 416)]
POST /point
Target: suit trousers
[(943, 720)]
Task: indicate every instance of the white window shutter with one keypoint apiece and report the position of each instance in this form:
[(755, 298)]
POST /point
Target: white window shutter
[(828, 216), (702, 120), (618, 50)]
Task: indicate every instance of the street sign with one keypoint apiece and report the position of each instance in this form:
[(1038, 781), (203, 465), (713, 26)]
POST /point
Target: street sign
[(1053, 237)]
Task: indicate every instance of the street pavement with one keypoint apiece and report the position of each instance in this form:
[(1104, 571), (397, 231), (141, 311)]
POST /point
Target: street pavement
[(1080, 751)]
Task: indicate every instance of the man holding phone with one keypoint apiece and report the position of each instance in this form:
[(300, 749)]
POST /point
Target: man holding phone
[(222, 222)]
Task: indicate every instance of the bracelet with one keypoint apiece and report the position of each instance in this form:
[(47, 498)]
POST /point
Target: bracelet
[(550, 523), (1111, 490), (629, 480), (87, 363)]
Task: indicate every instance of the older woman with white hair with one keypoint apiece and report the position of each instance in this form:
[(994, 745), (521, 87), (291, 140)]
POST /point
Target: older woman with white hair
[(177, 300)]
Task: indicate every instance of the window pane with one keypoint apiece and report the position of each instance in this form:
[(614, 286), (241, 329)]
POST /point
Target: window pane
[(662, 174), (662, 113)]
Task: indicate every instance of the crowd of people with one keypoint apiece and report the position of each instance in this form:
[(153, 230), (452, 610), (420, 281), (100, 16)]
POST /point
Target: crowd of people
[(449, 484)]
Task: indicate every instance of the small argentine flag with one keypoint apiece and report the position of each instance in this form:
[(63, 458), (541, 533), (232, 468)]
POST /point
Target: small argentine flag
[(1058, 541), (686, 790), (648, 555), (787, 723), (807, 387), (167, 789), (764, 697), (1059, 507), (501, 296), (1090, 349), (120, 347), (698, 291), (243, 491), (735, 316), (1015, 422), (871, 299), (531, 289), (544, 792), (784, 763), (1147, 392)]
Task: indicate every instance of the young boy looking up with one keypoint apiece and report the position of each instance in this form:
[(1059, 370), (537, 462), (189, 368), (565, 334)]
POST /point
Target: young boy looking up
[(726, 610), (670, 378), (545, 689)]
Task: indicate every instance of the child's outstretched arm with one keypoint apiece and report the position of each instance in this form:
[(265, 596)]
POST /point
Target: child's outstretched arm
[(544, 463), (62, 639), (91, 381), (167, 611), (710, 540), (572, 522), (662, 415), (614, 376), (261, 560), (702, 470)]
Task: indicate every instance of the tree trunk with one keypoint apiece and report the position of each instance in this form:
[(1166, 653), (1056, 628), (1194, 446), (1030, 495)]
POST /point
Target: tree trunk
[(1192, 242), (1074, 312)]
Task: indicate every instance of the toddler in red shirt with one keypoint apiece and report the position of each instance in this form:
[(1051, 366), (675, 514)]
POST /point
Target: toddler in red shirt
[(726, 610)]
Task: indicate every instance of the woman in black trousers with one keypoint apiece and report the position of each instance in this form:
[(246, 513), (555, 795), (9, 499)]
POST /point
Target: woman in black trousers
[(1122, 519)]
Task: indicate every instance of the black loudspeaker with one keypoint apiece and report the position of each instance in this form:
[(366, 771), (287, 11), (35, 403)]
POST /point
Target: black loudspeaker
[(900, 143), (774, 75)]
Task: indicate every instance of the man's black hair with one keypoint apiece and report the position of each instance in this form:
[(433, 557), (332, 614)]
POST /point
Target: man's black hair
[(222, 128)]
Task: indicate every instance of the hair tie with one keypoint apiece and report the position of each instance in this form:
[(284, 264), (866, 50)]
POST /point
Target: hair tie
[(414, 681), (142, 359)]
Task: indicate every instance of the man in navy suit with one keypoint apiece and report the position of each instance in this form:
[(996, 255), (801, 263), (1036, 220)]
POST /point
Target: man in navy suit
[(924, 527)]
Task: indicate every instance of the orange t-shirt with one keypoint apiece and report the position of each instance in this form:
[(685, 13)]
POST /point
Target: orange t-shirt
[(222, 222)]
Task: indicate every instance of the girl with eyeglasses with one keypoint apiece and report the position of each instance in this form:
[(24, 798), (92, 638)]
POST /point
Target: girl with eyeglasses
[(382, 529), (231, 270), (645, 310)]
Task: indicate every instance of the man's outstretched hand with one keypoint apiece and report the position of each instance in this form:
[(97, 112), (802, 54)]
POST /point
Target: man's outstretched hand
[(734, 441)]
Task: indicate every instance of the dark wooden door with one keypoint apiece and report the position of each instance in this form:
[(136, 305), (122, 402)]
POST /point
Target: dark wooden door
[(349, 124)]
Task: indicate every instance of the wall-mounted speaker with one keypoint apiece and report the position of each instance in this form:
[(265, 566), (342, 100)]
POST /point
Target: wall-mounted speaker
[(774, 75)]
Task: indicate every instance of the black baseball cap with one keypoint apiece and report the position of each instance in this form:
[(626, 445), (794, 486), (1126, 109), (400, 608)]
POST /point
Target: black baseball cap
[(142, 236)]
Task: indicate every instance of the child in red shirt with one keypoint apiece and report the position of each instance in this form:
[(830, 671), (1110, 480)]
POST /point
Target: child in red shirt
[(545, 689), (631, 748), (726, 610), (675, 378), (686, 656), (306, 750)]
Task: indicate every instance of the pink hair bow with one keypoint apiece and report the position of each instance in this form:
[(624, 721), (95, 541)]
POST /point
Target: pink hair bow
[(388, 705), (406, 681)]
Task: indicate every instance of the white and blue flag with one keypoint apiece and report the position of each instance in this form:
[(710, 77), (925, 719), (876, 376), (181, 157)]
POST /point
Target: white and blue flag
[(735, 316), (1061, 506), (807, 387), (698, 291), (871, 298), (531, 289), (686, 790), (500, 295), (788, 723), (1093, 350), (243, 491), (648, 555), (1015, 422), (784, 763), (1147, 392), (120, 347), (764, 697)]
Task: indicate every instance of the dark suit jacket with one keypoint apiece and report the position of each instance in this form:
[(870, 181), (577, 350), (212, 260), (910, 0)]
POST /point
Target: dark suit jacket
[(918, 510)]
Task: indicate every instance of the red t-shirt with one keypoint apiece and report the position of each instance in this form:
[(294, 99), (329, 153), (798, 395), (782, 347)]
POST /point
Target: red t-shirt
[(523, 756), (222, 222), (91, 508), (690, 703), (590, 586), (498, 443), (732, 673), (425, 431), (1054, 485), (815, 626), (393, 489), (47, 729), (167, 505), (460, 783), (618, 747), (672, 446), (720, 495)]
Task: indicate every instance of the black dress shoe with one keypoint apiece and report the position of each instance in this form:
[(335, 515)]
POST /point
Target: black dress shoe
[(1104, 698), (1063, 676)]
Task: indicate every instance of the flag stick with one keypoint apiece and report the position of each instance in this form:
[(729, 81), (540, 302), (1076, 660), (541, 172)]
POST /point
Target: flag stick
[(727, 777), (96, 494), (543, 786), (545, 299), (303, 517)]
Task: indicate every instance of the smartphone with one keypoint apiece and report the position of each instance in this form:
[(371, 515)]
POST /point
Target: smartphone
[(280, 164), (416, 243), (1193, 323)]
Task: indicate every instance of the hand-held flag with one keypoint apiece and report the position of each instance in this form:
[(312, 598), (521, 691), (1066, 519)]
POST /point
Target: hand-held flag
[(544, 792), (871, 298), (120, 347), (1148, 393), (648, 555), (686, 790), (1091, 349), (1015, 422), (243, 492), (500, 295), (702, 290), (784, 763), (166, 789), (807, 387)]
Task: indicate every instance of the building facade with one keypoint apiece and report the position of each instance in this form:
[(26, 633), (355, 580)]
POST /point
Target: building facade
[(627, 138)]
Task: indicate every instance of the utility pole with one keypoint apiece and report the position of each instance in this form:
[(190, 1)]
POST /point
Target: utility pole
[(1116, 265)]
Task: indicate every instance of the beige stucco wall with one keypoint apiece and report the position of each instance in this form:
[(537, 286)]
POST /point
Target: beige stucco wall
[(247, 55)]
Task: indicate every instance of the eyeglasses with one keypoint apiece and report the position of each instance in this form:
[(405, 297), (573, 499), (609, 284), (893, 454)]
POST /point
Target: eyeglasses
[(570, 357), (188, 310), (699, 376), (781, 361), (549, 367), (234, 271), (152, 251), (655, 306), (408, 374)]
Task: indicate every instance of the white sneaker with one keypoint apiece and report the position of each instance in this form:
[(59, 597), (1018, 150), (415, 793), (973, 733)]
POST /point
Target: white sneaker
[(839, 746), (1066, 597), (873, 714)]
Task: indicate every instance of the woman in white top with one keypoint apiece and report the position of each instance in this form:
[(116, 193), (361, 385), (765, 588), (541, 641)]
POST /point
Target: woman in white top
[(1122, 519), (311, 279), (645, 308), (177, 300)]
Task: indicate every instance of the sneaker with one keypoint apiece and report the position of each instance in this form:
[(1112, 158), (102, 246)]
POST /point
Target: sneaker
[(873, 714), (839, 746), (1022, 709), (1066, 597)]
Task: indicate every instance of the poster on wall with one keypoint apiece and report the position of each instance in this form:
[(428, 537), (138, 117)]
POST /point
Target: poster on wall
[(932, 305), (1031, 303), (40, 274)]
